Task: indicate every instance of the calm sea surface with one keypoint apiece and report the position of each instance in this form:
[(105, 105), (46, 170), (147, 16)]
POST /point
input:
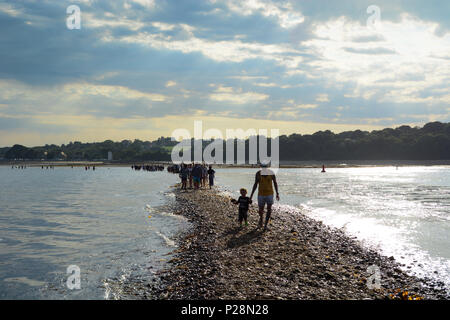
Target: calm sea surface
[(111, 223), (403, 212)]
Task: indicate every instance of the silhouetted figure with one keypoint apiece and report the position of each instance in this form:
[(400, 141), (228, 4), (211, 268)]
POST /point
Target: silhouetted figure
[(323, 168), (211, 173), (264, 179)]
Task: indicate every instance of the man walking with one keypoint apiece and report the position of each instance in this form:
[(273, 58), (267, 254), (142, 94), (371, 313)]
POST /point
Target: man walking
[(211, 173), (264, 179), (184, 176)]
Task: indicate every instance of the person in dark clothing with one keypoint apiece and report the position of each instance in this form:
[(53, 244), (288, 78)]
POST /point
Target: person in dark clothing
[(211, 173), (197, 175), (244, 204), (184, 176)]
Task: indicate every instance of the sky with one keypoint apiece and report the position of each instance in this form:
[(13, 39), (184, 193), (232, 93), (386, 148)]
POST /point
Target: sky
[(140, 69)]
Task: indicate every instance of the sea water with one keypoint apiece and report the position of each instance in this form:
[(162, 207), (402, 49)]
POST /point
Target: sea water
[(110, 223), (403, 212), (113, 225)]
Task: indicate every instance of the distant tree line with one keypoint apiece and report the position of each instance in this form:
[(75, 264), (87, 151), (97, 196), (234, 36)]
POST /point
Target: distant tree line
[(125, 150), (431, 142)]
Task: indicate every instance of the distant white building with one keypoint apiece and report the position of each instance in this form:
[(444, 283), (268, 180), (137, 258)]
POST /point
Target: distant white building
[(110, 156)]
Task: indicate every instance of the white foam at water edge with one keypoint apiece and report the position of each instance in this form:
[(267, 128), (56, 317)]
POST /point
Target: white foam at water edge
[(116, 289), (151, 210), (170, 214), (224, 192), (168, 241), (107, 290), (169, 194)]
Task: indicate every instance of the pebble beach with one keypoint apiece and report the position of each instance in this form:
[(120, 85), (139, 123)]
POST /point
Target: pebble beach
[(297, 258)]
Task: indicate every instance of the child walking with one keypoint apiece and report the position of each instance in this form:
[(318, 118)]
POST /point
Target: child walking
[(244, 203)]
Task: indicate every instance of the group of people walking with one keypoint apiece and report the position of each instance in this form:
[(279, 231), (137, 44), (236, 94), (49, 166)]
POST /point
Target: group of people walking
[(146, 167), (175, 168), (24, 167), (196, 175), (19, 167)]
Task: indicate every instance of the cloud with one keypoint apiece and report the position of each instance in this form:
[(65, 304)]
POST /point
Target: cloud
[(370, 50), (323, 97), (230, 95), (112, 92), (413, 57), (10, 10), (306, 106), (111, 21), (149, 4), (283, 61), (76, 98), (170, 84), (368, 38), (220, 51), (284, 12)]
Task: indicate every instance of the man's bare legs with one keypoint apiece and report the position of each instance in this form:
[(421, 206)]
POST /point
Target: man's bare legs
[(268, 214), (261, 215)]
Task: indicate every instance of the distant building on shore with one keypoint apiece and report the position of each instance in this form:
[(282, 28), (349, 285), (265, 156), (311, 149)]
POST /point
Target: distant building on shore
[(110, 156)]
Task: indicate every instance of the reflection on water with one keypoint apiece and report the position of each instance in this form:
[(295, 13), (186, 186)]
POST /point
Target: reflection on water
[(404, 212), (97, 220)]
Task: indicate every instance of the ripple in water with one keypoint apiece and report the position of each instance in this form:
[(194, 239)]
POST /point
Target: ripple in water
[(95, 220)]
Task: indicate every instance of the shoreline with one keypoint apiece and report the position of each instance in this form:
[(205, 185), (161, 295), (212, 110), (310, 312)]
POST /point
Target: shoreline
[(283, 165), (298, 258)]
